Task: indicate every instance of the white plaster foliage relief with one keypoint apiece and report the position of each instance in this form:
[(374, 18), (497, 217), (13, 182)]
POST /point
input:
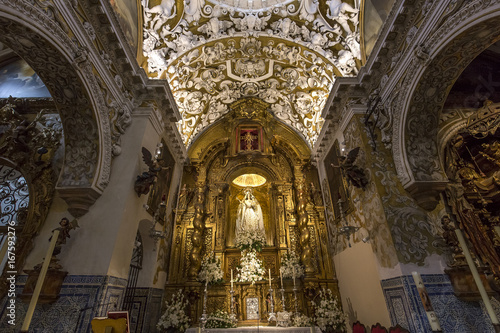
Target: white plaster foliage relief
[(286, 52), (369, 207), (413, 230)]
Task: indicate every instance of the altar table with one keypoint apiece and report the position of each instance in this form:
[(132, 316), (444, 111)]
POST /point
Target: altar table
[(260, 329)]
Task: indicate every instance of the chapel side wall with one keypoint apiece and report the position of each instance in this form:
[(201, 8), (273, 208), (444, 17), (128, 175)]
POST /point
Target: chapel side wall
[(358, 267)]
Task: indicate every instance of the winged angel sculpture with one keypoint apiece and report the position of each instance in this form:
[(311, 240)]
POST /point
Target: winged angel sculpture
[(146, 179), (354, 174)]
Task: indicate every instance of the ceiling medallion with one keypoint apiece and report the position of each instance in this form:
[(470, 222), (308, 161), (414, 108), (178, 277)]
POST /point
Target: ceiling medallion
[(285, 52), (249, 180)]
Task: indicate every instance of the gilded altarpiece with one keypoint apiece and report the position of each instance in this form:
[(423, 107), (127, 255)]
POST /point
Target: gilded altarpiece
[(287, 198)]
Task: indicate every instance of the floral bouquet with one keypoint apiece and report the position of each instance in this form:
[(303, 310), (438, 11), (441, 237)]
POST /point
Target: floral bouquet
[(174, 319), (210, 271), (301, 320), (289, 261), (219, 319), (251, 268), (250, 240), (328, 315)]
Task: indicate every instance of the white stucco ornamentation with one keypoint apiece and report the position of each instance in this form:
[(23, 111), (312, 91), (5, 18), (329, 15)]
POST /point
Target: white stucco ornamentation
[(284, 52)]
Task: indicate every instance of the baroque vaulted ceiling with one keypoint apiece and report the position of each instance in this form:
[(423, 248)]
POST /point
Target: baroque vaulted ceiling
[(286, 52)]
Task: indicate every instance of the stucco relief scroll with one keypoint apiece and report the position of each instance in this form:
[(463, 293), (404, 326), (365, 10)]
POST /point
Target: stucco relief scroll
[(203, 46)]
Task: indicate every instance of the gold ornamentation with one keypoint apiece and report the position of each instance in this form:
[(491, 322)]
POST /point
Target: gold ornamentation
[(294, 236), (187, 251), (314, 242), (197, 236), (302, 220), (208, 243)]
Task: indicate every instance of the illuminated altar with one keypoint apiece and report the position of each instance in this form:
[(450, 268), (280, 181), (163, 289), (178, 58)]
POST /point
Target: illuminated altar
[(292, 213)]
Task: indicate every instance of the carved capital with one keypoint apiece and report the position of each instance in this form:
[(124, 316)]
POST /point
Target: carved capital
[(79, 200), (426, 194)]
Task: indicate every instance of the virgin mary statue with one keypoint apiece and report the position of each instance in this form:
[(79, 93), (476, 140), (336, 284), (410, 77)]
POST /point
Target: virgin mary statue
[(249, 218)]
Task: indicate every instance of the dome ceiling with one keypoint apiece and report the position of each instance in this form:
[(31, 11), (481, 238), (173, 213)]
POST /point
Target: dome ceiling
[(286, 52)]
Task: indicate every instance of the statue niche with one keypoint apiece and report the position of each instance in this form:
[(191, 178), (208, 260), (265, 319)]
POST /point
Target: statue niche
[(249, 209), (249, 218)]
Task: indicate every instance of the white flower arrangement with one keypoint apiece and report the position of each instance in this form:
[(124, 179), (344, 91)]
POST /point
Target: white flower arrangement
[(301, 320), (251, 269), (219, 319), (288, 261), (250, 240), (328, 314), (175, 316), (210, 271)]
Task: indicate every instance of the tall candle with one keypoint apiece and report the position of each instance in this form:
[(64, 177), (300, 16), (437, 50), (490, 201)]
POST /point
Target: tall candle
[(281, 277), (231, 278), (39, 282), (269, 278), (294, 276)]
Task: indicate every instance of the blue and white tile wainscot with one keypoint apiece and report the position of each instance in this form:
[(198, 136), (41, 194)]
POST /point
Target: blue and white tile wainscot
[(455, 316), (82, 297)]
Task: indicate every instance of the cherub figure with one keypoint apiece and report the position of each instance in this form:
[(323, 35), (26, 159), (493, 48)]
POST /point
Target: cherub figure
[(64, 229), (354, 174)]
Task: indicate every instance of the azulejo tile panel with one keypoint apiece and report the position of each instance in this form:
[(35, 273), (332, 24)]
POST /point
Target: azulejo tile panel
[(82, 297), (146, 309), (406, 309)]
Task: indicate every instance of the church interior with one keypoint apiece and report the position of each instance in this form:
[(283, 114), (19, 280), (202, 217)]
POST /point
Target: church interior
[(246, 156)]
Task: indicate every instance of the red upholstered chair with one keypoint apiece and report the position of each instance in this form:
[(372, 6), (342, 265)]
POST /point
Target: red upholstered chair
[(378, 328), (357, 327), (398, 329)]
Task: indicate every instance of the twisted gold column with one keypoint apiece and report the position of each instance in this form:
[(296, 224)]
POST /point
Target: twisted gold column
[(197, 237), (302, 219)]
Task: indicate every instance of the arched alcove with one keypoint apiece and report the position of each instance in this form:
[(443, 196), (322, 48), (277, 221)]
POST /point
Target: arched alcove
[(67, 74), (437, 64)]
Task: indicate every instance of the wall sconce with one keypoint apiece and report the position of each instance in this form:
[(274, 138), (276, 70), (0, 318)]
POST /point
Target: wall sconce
[(158, 151), (364, 235), (346, 229)]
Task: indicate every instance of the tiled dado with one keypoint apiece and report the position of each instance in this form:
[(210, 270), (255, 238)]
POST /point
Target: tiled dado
[(145, 312), (82, 297), (455, 316)]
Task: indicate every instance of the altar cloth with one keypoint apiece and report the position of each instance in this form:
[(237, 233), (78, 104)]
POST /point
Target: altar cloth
[(260, 329)]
